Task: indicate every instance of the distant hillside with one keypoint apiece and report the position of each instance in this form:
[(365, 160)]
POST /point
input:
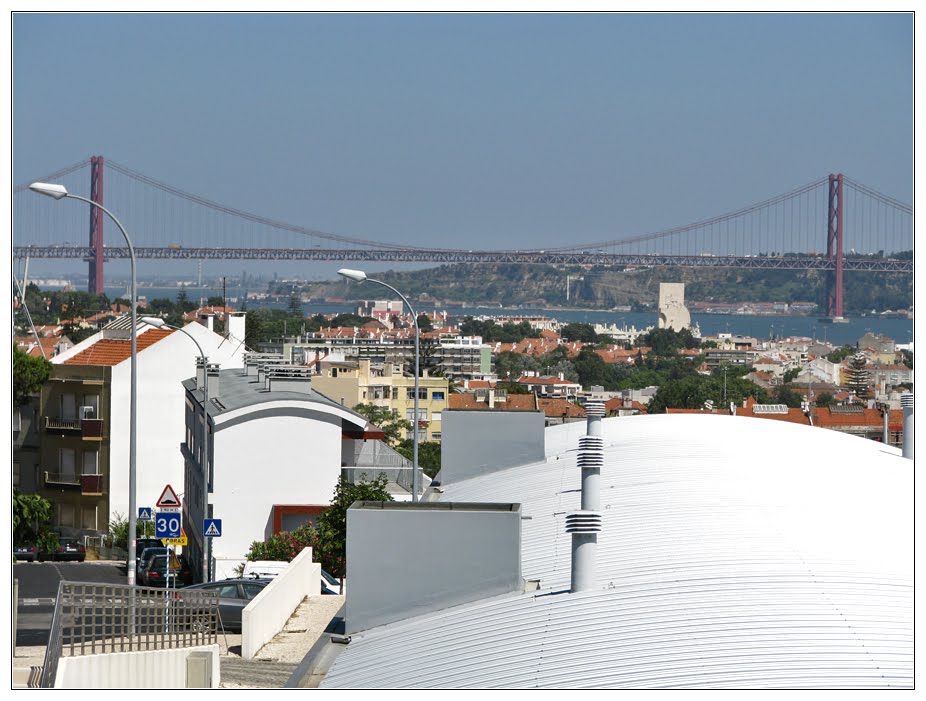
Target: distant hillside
[(603, 288)]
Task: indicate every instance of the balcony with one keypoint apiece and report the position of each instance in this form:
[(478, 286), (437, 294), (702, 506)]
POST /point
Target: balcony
[(88, 429), (58, 480), (90, 485)]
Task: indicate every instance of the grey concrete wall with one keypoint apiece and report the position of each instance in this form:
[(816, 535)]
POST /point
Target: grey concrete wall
[(480, 442), (406, 559)]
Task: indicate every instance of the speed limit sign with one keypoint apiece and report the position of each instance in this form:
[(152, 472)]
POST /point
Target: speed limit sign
[(167, 525)]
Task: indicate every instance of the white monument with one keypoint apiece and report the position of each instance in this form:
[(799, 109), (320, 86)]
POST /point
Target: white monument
[(673, 314)]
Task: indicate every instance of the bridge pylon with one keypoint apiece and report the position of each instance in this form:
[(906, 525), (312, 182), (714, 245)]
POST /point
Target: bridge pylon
[(95, 274), (835, 236)]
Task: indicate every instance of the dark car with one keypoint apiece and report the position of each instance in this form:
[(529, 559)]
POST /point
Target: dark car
[(141, 544), (68, 549), (234, 595), (145, 558), (29, 553), (156, 573)]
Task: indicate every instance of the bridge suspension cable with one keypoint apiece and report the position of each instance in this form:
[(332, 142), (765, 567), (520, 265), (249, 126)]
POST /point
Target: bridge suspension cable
[(719, 219), (248, 216)]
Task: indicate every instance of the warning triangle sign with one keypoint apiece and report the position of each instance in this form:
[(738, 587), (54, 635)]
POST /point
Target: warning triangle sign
[(168, 498), (212, 530)]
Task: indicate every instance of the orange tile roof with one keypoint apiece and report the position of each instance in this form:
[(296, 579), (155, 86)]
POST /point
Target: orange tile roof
[(514, 402), (556, 407), (110, 352)]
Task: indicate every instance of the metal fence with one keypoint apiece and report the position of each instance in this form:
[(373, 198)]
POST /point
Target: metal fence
[(92, 619)]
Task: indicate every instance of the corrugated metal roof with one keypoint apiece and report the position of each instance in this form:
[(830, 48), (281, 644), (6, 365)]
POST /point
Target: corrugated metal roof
[(735, 552)]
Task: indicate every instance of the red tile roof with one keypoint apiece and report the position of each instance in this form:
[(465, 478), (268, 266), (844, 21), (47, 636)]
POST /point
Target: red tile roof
[(109, 352)]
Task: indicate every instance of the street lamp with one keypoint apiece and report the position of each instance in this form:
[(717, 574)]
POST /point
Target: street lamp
[(161, 324), (360, 276), (58, 192)]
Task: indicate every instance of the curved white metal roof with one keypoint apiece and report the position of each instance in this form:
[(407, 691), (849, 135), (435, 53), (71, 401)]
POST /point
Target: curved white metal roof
[(735, 552)]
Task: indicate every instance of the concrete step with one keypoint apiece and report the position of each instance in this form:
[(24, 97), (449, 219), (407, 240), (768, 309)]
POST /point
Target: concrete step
[(26, 677)]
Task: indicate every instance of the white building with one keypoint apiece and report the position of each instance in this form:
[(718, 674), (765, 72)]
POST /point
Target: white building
[(96, 373), (731, 554), (277, 449)]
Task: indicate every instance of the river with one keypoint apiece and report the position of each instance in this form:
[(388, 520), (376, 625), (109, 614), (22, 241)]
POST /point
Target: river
[(758, 326)]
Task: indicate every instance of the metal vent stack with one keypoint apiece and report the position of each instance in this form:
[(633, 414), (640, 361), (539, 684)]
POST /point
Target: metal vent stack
[(906, 401), (584, 525)]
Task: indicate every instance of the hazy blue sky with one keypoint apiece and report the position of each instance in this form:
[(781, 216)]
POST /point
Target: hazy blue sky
[(497, 130)]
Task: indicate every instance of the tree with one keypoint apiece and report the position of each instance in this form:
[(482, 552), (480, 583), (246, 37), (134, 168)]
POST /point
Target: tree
[(331, 545), (790, 375), (216, 301), (31, 517), (579, 332), (424, 323), (824, 400), (789, 397), (29, 374), (393, 426), (428, 455)]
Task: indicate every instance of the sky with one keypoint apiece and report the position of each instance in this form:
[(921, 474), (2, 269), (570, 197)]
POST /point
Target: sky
[(500, 130)]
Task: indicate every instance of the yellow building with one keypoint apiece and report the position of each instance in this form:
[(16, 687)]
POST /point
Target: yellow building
[(361, 382)]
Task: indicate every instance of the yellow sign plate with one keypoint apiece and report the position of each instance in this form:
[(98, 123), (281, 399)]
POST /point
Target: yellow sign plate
[(182, 540)]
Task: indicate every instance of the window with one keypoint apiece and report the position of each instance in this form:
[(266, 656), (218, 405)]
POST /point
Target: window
[(88, 518), (435, 416), (435, 436), (437, 396), (66, 462), (395, 392), (422, 414), (422, 393), (68, 407), (66, 515), (90, 464)]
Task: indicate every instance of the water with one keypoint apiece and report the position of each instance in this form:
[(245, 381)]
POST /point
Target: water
[(762, 327)]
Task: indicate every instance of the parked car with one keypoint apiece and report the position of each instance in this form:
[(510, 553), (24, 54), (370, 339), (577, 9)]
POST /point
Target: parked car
[(156, 573), (140, 545), (145, 558), (29, 553), (268, 569), (68, 549), (234, 595)]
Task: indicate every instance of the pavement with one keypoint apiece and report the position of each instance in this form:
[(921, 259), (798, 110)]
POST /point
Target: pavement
[(284, 662)]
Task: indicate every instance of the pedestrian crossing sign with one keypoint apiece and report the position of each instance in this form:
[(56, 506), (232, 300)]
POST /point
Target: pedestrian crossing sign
[(212, 527)]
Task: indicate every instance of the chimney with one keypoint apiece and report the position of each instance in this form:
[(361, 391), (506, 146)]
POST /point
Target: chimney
[(584, 525), (212, 377), (200, 373), (235, 325), (906, 401), (207, 320)]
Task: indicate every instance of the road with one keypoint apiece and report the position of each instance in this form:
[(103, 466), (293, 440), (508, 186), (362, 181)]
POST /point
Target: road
[(38, 587)]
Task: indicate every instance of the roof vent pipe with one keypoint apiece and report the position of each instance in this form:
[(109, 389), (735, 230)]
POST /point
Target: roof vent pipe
[(906, 401), (585, 525)]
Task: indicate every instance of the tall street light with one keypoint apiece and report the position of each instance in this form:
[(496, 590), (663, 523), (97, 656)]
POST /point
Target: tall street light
[(58, 192), (161, 324), (360, 276)]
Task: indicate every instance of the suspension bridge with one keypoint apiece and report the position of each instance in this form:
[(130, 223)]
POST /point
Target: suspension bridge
[(833, 224)]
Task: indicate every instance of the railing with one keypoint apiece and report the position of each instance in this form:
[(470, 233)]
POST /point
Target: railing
[(92, 619), (402, 476), (88, 428), (62, 424), (62, 478)]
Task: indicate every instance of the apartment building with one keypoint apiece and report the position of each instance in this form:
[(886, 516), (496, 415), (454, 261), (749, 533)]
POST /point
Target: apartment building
[(83, 422), (351, 383)]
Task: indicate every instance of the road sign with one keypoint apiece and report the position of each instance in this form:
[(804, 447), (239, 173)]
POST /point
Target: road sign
[(168, 499), (180, 540), (167, 525), (212, 527), (145, 514)]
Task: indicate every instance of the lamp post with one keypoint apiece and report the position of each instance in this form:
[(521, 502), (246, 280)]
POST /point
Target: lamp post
[(58, 192), (360, 276), (161, 324)]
